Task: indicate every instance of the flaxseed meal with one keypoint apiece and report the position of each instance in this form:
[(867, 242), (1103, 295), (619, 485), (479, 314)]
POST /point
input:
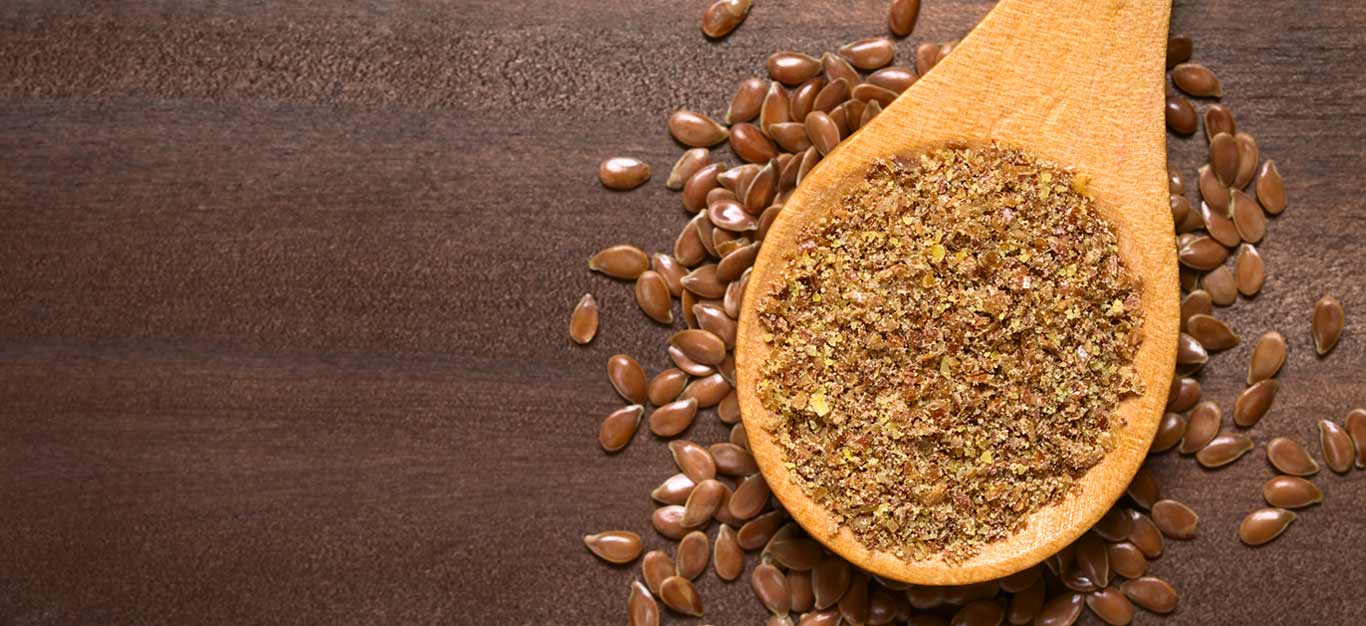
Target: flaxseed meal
[(948, 348)]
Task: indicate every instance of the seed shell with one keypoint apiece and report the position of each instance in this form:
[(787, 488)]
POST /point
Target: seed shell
[(619, 427), (1185, 392), (1202, 253), (1254, 402), (1127, 560), (1289, 457), (1179, 48), (1196, 80), (693, 460), (868, 54), (1291, 492), (1174, 519), (1247, 159), (583, 323), (727, 558), (674, 489), (694, 129), (1110, 606), (1221, 286), (1249, 270), (1263, 525), (1180, 115), (1151, 593), (1146, 535), (770, 586), (692, 554), (1338, 449), (668, 521), (678, 593), (1201, 427), (1061, 610), (653, 297), (1218, 119), (673, 418), (1270, 188), (829, 581), (1248, 217), (655, 567), (901, 16), (641, 609), (1212, 192), (614, 546), (755, 533), (1224, 449), (1356, 430), (1268, 355), (732, 460), (623, 173), (1144, 490), (1326, 324), (1212, 333), (621, 261), (724, 16), (792, 68)]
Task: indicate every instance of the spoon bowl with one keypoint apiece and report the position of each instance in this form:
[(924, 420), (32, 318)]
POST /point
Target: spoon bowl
[(1079, 84)]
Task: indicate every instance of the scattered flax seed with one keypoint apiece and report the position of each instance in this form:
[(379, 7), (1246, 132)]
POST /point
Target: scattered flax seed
[(947, 349)]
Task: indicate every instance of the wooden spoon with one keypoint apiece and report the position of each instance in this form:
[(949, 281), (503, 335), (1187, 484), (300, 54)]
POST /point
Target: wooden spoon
[(1079, 83)]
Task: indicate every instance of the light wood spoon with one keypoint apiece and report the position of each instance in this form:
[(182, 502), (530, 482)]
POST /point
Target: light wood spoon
[(1076, 82)]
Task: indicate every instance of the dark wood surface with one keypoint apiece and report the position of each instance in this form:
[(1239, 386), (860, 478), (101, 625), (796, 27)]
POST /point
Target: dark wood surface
[(284, 288)]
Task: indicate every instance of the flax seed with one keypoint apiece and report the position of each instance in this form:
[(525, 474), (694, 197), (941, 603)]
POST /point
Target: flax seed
[(744, 105), (678, 593), (674, 490), (1326, 324), (668, 521), (696, 130), (1289, 457), (1144, 490), (1254, 402), (1151, 593), (1213, 192), (1338, 450), (1268, 355), (724, 16), (693, 460), (673, 418), (692, 554), (641, 609), (1248, 217), (1211, 332), (1270, 188), (901, 16), (1291, 492), (792, 68), (1249, 270), (1146, 535), (1170, 431), (1185, 392), (728, 559), (1196, 80), (619, 427), (1263, 525), (1179, 48), (1174, 519), (1225, 448), (1356, 430), (1180, 115), (755, 533)]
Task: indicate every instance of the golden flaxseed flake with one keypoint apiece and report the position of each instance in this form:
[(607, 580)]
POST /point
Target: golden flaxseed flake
[(950, 344)]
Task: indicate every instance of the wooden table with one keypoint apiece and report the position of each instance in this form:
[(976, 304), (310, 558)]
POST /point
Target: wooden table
[(284, 288)]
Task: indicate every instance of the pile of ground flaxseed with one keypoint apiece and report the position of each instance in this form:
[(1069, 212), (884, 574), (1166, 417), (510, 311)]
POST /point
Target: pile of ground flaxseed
[(948, 347)]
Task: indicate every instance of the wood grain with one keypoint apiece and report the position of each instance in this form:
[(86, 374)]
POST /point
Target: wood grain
[(284, 286)]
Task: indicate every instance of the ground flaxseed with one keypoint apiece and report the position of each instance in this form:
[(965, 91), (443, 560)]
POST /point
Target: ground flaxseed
[(947, 349)]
